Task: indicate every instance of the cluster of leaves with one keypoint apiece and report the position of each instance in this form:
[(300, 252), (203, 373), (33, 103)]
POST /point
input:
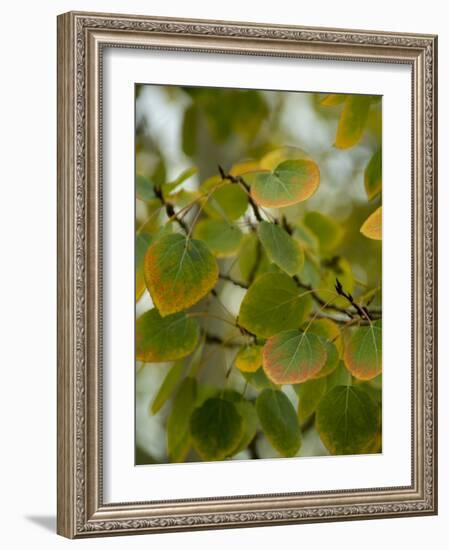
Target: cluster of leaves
[(301, 322)]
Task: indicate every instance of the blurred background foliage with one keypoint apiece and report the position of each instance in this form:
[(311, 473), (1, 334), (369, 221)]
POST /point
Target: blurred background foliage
[(182, 136)]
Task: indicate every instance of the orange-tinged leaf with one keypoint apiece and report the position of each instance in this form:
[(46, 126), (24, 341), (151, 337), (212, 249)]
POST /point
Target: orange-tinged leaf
[(363, 351), (249, 359), (293, 356), (179, 271), (372, 227), (293, 181)]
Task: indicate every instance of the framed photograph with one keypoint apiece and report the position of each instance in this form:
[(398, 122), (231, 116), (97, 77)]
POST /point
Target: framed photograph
[(246, 274)]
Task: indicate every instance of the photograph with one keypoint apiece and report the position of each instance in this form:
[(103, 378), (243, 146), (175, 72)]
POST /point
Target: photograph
[(258, 274)]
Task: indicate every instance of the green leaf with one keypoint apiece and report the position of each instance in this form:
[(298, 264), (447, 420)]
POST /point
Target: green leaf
[(373, 175), (248, 255), (249, 358), (363, 351), (330, 336), (249, 417), (293, 356), (216, 429), (222, 238), (281, 248), (168, 386), (339, 377), (144, 188), (291, 182), (170, 186), (179, 272), (346, 421), (258, 380), (273, 303), (160, 339), (178, 422), (279, 422), (372, 227), (310, 394), (223, 200), (328, 232), (329, 330), (143, 241), (352, 121)]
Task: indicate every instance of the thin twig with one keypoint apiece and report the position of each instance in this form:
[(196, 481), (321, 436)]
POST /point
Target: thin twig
[(242, 182), (361, 310), (170, 210), (225, 277)]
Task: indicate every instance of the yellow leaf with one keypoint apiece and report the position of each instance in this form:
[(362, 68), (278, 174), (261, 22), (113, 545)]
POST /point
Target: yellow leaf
[(372, 228)]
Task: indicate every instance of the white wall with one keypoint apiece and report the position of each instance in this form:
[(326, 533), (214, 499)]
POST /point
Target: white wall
[(28, 269)]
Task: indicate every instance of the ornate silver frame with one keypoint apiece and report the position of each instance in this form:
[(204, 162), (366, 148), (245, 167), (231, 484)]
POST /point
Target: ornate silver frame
[(81, 39)]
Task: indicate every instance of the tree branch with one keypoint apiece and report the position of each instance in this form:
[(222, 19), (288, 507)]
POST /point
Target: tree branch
[(242, 182), (319, 300), (225, 277), (170, 210), (361, 310)]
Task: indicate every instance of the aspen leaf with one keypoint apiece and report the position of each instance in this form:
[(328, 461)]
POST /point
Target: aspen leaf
[(249, 358), (352, 121), (309, 394), (143, 241), (291, 182), (168, 386), (258, 380), (216, 429), (293, 356), (330, 335), (279, 421), (363, 351), (178, 428), (179, 272), (144, 188), (222, 238), (346, 420), (273, 303), (170, 186), (248, 413), (160, 339), (223, 200), (281, 248), (372, 227)]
